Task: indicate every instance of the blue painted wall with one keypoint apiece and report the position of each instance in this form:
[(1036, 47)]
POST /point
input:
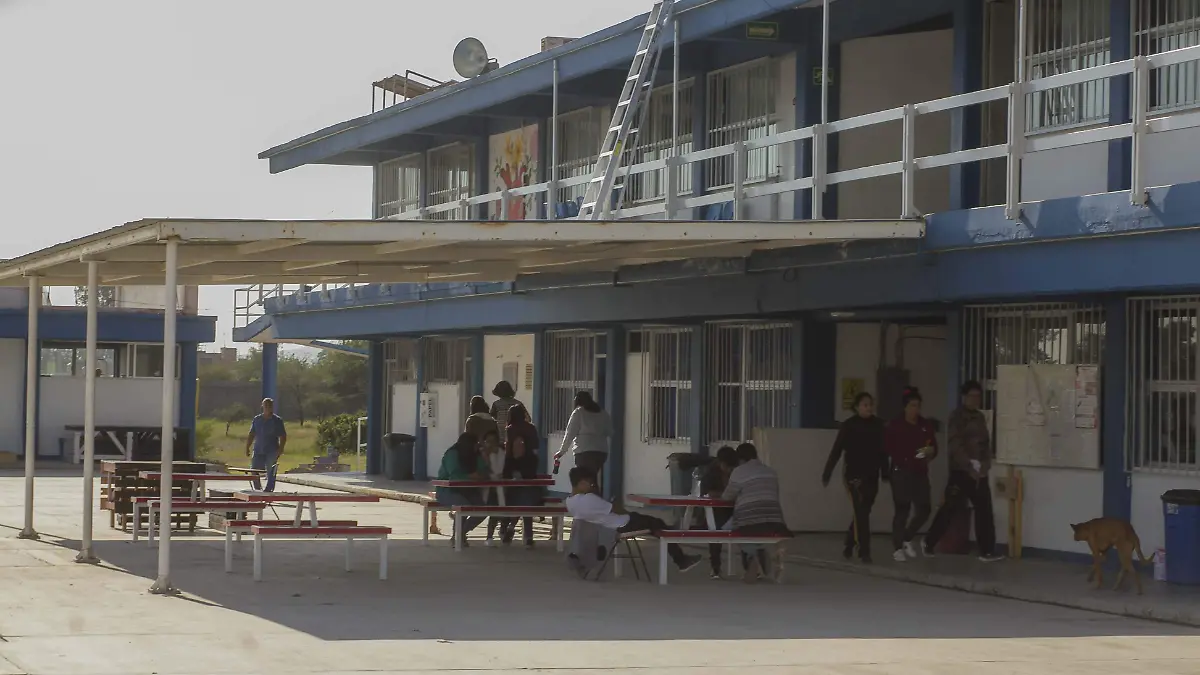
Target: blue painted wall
[(188, 385), (70, 324), (376, 400)]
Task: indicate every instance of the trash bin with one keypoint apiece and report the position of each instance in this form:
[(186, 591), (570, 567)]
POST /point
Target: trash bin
[(686, 467), (398, 456), (1181, 523)]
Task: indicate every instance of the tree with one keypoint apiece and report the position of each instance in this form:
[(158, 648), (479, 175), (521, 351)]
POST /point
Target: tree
[(106, 296), (323, 405), (297, 385), (234, 412)]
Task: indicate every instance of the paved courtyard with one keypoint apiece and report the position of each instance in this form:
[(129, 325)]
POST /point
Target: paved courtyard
[(506, 611)]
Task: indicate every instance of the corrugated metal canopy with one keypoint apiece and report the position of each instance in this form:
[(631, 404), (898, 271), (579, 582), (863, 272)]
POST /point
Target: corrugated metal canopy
[(218, 252)]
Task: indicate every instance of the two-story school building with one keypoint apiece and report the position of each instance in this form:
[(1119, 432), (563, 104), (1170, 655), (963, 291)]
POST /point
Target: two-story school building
[(1044, 149)]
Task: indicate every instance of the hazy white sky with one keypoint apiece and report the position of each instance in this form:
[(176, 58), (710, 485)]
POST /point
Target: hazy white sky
[(116, 110)]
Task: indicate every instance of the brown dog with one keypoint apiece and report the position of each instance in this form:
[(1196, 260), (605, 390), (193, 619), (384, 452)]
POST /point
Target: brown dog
[(1102, 534)]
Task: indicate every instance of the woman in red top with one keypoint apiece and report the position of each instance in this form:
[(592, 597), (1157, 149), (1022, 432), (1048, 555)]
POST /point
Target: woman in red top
[(910, 443)]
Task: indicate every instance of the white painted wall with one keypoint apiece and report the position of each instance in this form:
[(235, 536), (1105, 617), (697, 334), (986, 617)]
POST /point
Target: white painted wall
[(12, 396), (562, 483), (925, 356), (1172, 158), (1065, 172), (1147, 505), (501, 349), (1054, 498), (885, 72), (135, 401), (645, 463), (404, 408), (449, 423)]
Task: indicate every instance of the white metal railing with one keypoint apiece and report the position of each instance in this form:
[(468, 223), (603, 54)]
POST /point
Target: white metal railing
[(1142, 69)]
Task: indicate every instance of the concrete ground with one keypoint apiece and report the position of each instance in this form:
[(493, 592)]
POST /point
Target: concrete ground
[(497, 610)]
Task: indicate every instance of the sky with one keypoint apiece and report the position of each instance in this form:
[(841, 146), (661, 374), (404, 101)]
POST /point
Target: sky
[(117, 110)]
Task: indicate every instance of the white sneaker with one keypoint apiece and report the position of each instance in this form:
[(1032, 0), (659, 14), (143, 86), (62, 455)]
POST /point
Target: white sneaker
[(898, 555), (990, 558), (910, 550)]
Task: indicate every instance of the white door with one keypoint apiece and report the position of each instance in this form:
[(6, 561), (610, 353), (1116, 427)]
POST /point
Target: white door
[(449, 423)]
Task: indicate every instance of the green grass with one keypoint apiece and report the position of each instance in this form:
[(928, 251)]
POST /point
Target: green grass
[(231, 450)]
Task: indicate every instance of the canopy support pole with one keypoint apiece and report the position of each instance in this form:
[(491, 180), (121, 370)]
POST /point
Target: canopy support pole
[(86, 555), (162, 585), (32, 349)]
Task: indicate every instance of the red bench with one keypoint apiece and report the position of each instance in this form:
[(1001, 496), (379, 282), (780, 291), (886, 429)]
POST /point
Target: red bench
[(557, 513), (349, 533), (434, 506), (715, 537), (154, 504), (234, 529)]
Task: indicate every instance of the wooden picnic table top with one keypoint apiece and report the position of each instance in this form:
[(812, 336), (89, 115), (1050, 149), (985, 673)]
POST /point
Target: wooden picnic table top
[(541, 481), (294, 497), (677, 500), (154, 475)]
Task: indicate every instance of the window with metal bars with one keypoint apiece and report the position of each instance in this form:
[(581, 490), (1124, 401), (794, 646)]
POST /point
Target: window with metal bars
[(1064, 36), (451, 179), (572, 366), (741, 104), (398, 186), (749, 378), (1162, 26), (447, 359), (666, 383), (654, 142), (1012, 335), (1161, 407), (399, 356), (580, 133)]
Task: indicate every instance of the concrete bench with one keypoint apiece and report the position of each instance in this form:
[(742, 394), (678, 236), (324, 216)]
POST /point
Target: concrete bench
[(347, 532), (154, 505), (712, 537)]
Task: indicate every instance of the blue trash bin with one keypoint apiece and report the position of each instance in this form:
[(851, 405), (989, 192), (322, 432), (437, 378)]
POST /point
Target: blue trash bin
[(1181, 523)]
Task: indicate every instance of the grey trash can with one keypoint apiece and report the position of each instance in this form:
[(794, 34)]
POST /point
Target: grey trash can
[(398, 456), (685, 468)]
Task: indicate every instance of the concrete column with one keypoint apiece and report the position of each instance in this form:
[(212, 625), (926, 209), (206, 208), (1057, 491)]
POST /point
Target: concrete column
[(162, 585), (376, 400), (420, 465), (965, 123), (33, 354)]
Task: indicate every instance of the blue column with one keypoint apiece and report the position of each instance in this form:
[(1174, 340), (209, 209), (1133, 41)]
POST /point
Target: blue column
[(614, 468), (699, 130), (376, 400), (808, 110), (540, 367), (420, 466), (818, 373), (188, 367), (796, 413), (954, 343), (270, 372), (965, 126), (483, 176), (1120, 151), (476, 382), (1118, 491), (699, 375)]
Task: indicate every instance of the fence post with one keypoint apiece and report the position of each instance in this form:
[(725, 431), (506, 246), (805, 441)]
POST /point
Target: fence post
[(818, 172), (1141, 109), (1016, 148), (739, 177), (552, 199), (908, 207), (672, 187), (504, 199)]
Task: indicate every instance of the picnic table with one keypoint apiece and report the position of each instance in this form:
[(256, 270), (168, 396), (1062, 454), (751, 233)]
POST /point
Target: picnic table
[(300, 499), (199, 479), (497, 484), (689, 503)]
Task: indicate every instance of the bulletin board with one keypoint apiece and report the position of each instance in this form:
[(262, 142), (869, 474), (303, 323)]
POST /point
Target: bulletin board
[(1048, 415)]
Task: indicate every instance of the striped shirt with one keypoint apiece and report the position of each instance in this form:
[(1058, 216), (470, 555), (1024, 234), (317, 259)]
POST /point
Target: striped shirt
[(754, 490), (500, 408)]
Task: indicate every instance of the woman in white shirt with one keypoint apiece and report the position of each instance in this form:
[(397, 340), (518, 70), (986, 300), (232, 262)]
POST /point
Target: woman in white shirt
[(587, 435)]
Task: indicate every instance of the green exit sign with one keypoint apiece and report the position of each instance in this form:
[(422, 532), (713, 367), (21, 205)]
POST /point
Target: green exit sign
[(762, 30)]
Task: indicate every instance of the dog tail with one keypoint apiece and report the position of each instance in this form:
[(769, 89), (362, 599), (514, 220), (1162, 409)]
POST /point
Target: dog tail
[(1137, 546)]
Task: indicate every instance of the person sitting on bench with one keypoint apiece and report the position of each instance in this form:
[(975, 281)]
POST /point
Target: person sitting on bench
[(463, 462), (584, 504), (715, 480), (754, 490)]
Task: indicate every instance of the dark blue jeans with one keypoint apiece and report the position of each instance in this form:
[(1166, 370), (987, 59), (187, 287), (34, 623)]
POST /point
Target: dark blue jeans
[(453, 497), (521, 496), (270, 464)]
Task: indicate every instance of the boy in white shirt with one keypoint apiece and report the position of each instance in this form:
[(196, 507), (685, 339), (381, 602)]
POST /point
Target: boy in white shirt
[(584, 504)]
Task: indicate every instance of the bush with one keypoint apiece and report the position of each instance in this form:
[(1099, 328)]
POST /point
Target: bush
[(340, 431), (203, 438)]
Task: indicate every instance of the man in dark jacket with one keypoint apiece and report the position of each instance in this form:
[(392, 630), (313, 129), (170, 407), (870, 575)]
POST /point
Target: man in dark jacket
[(860, 443), (970, 460)]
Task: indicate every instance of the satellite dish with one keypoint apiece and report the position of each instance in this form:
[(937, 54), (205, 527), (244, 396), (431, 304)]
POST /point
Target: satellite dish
[(471, 58)]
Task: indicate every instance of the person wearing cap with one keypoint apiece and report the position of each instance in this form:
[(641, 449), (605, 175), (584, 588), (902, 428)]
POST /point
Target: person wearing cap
[(910, 443), (506, 398), (267, 438)]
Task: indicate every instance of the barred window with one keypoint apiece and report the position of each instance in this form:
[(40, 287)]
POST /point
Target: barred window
[(451, 179), (399, 355), (580, 133), (741, 107), (654, 142), (398, 186), (666, 382), (571, 364), (1163, 373), (1063, 36), (750, 378), (1162, 26)]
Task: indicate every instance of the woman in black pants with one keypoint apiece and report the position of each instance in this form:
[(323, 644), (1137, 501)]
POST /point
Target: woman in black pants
[(520, 461), (860, 443), (911, 445)]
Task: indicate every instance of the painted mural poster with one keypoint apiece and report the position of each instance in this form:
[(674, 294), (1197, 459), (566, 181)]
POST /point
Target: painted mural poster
[(514, 157)]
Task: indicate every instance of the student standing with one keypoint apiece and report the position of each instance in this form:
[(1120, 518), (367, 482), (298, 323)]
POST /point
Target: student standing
[(860, 441), (267, 438), (911, 445), (587, 435), (970, 444), (506, 398)]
